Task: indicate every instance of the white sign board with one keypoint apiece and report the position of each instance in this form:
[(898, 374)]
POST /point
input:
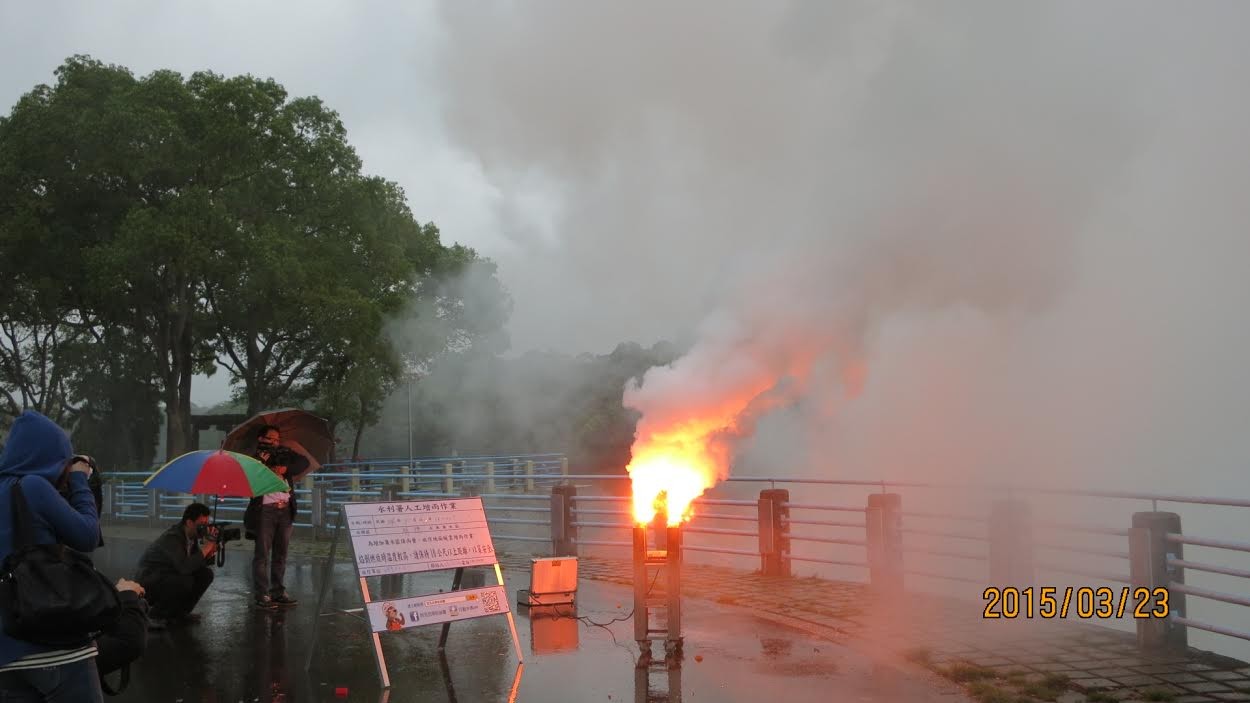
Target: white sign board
[(403, 613), (413, 536)]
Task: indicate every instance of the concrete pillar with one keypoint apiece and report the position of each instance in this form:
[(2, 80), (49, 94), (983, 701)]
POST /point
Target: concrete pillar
[(529, 477), (774, 532), (1011, 545), (884, 523), (355, 479), (564, 466), (154, 507), (1148, 565), (490, 477), (563, 532), (449, 484), (405, 481)]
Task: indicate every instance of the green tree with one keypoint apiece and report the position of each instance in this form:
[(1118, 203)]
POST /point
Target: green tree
[(192, 222), (160, 226)]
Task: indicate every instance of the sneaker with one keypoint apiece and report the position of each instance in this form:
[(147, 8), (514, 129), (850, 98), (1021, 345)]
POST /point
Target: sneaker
[(265, 602), (284, 599)]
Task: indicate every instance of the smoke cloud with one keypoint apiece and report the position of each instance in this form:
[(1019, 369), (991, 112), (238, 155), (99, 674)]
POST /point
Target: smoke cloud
[(899, 238)]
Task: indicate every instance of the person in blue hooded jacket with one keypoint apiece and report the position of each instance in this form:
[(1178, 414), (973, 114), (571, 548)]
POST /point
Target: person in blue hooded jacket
[(38, 454)]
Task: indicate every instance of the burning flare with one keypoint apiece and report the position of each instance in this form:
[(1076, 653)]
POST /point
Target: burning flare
[(671, 469)]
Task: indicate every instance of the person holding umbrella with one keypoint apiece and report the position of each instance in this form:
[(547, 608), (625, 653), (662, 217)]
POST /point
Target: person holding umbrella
[(269, 519)]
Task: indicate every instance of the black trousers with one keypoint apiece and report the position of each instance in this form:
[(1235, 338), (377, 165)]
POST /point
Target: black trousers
[(175, 595)]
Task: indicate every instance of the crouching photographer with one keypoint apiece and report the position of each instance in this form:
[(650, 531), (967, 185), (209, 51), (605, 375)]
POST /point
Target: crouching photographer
[(175, 569)]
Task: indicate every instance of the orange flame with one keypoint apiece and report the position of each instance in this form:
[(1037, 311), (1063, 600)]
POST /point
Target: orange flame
[(670, 470)]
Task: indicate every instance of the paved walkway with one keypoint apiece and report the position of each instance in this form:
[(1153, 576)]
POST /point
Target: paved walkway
[(1039, 659), (1000, 661)]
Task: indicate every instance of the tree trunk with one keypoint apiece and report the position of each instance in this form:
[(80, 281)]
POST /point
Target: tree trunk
[(333, 424), (174, 432), (185, 369), (255, 403), (360, 430), (177, 382)]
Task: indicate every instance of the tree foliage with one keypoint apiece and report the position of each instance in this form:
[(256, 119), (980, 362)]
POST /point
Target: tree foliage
[(157, 227)]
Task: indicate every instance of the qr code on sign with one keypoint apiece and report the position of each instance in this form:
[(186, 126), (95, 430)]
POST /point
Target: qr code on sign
[(490, 602)]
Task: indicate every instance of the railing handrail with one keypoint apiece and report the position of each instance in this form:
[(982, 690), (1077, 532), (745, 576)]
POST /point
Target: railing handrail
[(883, 484), (596, 512)]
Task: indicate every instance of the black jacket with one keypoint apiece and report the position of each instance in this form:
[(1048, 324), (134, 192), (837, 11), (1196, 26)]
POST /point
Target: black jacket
[(296, 466), (127, 639), (168, 556)]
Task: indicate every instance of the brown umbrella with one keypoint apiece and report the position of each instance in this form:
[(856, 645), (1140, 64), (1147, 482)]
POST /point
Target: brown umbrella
[(301, 430)]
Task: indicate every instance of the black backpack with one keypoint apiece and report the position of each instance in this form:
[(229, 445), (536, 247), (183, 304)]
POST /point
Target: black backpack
[(51, 594)]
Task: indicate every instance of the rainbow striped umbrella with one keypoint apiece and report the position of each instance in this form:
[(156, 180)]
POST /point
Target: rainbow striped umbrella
[(219, 472)]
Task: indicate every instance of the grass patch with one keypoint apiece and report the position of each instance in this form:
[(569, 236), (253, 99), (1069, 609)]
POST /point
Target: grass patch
[(1017, 678), (962, 672), (986, 692), (1157, 694), (1100, 697), (1048, 688)]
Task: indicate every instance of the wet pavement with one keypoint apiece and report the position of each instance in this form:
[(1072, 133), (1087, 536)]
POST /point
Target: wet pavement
[(239, 653)]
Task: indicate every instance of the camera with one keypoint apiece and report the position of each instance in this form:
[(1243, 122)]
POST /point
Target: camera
[(279, 456), (219, 533)]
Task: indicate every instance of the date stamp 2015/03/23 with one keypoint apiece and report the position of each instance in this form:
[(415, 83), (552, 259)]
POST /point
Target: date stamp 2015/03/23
[(1084, 602)]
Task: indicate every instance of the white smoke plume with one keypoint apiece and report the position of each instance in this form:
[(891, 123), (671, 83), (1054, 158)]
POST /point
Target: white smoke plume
[(935, 209)]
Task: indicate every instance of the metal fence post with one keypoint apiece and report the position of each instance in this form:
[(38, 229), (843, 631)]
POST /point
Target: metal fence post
[(154, 506), (1149, 552), (529, 477), (108, 501), (317, 509), (448, 482), (563, 532), (490, 477), (774, 529), (884, 527), (1011, 544)]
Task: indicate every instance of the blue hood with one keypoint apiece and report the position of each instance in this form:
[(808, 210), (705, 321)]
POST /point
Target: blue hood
[(36, 447)]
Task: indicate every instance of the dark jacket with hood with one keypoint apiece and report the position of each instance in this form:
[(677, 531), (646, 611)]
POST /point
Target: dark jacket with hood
[(296, 467), (37, 453)]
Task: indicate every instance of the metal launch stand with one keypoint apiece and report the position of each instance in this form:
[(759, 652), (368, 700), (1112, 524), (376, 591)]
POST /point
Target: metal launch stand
[(657, 607)]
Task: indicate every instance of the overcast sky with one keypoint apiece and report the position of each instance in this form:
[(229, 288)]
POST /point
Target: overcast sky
[(1032, 212)]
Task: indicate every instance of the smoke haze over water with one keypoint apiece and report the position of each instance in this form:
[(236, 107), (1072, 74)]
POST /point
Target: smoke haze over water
[(1016, 225)]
